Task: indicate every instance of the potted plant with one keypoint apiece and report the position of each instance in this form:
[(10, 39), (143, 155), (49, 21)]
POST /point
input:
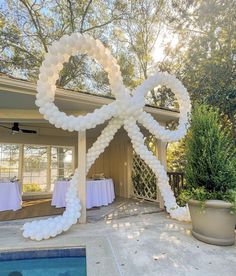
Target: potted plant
[(210, 178)]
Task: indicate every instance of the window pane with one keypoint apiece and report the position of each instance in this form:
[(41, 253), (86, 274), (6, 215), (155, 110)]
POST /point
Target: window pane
[(61, 163), (35, 168), (35, 165), (9, 161)]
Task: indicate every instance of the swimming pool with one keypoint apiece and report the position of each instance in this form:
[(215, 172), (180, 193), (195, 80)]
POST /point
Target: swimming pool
[(46, 262)]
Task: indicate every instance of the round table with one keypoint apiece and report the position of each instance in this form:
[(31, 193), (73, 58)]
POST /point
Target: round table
[(10, 196), (99, 193)]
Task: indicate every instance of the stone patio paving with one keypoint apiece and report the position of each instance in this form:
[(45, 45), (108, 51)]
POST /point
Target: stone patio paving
[(149, 243), (122, 208)]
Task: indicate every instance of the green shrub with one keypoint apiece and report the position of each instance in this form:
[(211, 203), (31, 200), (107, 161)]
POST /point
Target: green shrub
[(211, 158), (31, 188)]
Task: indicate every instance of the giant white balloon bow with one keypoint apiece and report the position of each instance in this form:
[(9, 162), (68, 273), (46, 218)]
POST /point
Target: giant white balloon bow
[(126, 110)]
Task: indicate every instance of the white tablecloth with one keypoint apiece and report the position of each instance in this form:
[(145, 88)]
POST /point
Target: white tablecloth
[(10, 196), (99, 193)]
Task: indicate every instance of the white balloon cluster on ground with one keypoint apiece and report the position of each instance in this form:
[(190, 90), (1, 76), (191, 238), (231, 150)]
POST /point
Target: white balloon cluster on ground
[(126, 110)]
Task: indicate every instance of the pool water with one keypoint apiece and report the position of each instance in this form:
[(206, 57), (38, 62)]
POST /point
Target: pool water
[(75, 266), (62, 262)]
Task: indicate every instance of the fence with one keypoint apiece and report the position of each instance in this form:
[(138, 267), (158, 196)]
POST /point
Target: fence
[(176, 181)]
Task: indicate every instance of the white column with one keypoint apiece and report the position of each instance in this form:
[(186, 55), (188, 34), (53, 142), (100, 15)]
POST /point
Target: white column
[(129, 164), (49, 159), (73, 160), (161, 153), (21, 166), (82, 173)]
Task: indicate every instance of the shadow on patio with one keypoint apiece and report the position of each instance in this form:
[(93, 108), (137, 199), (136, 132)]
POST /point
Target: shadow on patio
[(122, 208)]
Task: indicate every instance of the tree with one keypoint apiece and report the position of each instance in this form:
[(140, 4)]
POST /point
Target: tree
[(29, 27), (211, 154), (129, 28), (139, 34), (176, 159), (205, 57)]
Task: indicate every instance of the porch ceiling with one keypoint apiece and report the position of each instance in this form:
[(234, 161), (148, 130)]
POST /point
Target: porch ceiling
[(17, 99), (46, 129)]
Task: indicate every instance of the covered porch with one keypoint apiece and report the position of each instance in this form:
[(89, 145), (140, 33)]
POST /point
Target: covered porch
[(117, 162)]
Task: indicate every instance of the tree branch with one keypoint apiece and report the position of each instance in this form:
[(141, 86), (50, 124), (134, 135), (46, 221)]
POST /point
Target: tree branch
[(71, 16), (36, 24), (84, 15), (103, 24), (24, 50)]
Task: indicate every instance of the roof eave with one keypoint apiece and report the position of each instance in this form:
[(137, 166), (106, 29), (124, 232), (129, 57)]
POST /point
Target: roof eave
[(28, 88)]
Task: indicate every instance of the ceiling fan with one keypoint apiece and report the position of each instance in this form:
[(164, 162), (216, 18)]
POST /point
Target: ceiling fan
[(16, 129)]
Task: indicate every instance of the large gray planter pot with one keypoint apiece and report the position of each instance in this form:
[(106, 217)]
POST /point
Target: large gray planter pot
[(213, 223)]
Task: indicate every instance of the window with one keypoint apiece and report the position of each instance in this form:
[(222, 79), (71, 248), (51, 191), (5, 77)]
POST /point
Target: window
[(9, 161), (61, 163), (35, 168)]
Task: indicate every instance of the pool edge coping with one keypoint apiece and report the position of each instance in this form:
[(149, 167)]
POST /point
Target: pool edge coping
[(97, 263)]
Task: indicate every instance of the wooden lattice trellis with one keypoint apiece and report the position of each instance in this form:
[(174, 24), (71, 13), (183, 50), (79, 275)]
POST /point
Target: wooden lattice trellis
[(144, 180)]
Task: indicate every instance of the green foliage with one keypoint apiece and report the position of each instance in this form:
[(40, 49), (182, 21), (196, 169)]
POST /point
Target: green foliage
[(210, 152), (204, 57), (31, 188), (211, 158), (176, 160), (202, 53), (129, 28), (28, 28)]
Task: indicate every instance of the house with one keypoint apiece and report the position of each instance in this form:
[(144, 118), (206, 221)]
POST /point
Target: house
[(48, 153)]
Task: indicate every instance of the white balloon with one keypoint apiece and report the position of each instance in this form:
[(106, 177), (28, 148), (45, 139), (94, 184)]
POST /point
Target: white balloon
[(127, 109)]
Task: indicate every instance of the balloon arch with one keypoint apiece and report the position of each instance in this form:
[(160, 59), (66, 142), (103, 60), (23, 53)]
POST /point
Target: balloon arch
[(126, 110)]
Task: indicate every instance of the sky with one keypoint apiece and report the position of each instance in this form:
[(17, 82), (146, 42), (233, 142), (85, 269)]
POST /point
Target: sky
[(166, 36)]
